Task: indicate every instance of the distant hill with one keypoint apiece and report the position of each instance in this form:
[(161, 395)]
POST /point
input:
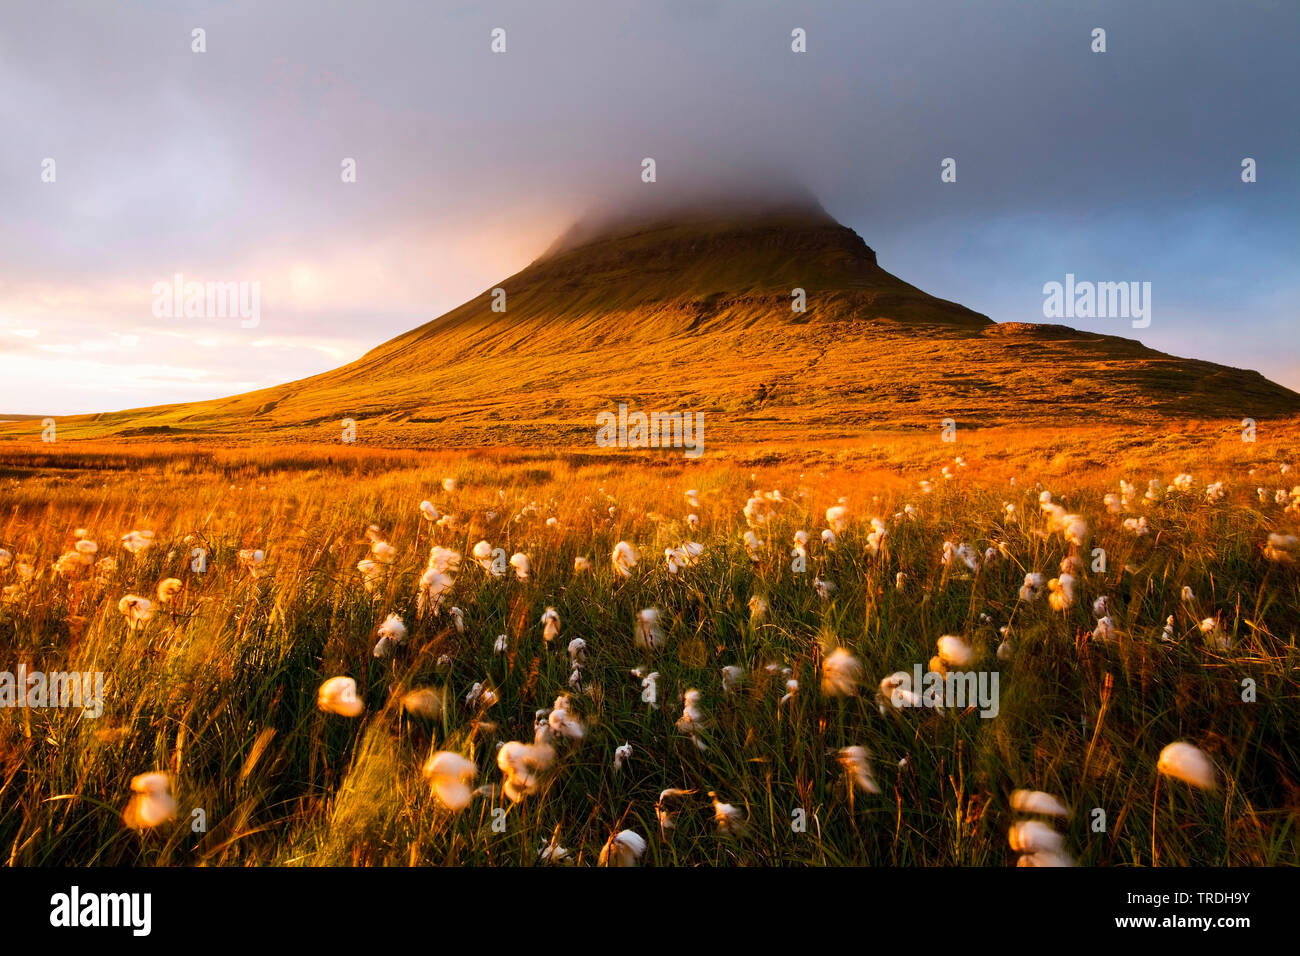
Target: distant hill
[(692, 312)]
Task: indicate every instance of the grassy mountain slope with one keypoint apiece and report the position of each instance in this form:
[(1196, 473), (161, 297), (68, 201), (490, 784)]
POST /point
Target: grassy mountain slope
[(694, 313)]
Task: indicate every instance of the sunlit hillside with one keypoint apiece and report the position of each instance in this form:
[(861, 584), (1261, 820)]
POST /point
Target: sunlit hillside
[(695, 313)]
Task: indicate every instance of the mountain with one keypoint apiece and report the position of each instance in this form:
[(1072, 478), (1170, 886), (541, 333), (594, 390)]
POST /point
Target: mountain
[(692, 311)]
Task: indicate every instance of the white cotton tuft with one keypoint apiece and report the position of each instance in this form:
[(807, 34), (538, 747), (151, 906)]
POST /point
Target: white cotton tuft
[(955, 651), (1038, 802), (621, 756), (624, 559), (338, 695), (841, 673), (1188, 763), (450, 775), (857, 762), (649, 635), (623, 849)]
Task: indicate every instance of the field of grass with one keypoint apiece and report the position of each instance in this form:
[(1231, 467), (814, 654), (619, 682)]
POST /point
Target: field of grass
[(218, 689)]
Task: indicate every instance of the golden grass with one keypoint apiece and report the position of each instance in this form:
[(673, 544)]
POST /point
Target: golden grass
[(220, 690)]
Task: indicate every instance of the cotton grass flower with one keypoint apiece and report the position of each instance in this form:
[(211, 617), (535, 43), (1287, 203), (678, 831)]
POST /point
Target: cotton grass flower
[(729, 818), (666, 807), (896, 692), (425, 702), (338, 695), (1105, 629), (621, 756), (1188, 763), (648, 634), (1282, 548), (1034, 836), (563, 722), (438, 579), (754, 545), (137, 542), (72, 563), (136, 610), (856, 761), (552, 853), (682, 556), (841, 674), (955, 651), (650, 689), (624, 558), (1061, 592), (1215, 634), (151, 802), (550, 624), (482, 554), (450, 775), (481, 695), (581, 564), (1137, 526), (428, 512), (392, 632), (876, 537), (577, 651), (837, 516), (372, 572), (523, 765), (252, 560), (624, 848), (519, 561), (1038, 802), (693, 720), (962, 552), (168, 588), (733, 676)]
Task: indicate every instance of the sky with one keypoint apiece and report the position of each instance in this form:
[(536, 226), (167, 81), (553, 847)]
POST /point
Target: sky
[(227, 165)]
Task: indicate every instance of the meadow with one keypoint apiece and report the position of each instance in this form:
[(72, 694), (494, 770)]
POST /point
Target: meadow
[(217, 687)]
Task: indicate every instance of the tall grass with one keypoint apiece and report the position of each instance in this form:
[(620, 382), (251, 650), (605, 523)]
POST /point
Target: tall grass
[(220, 690)]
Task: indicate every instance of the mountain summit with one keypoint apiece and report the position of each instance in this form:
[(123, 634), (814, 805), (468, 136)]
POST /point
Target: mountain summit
[(697, 310)]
